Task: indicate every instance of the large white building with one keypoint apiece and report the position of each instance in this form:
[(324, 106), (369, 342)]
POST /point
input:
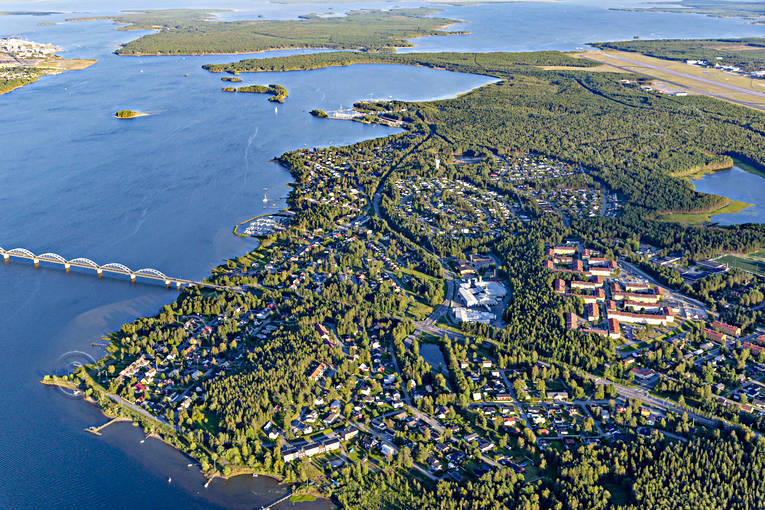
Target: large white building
[(24, 48), (478, 292), (462, 314)]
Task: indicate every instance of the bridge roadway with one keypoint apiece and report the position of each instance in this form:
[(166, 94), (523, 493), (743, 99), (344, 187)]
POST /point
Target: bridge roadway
[(113, 267)]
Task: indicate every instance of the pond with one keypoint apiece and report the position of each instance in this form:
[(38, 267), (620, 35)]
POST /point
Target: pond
[(740, 183), (432, 354)]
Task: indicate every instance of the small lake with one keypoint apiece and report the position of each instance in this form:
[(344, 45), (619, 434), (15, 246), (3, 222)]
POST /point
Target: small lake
[(736, 184), (432, 354)]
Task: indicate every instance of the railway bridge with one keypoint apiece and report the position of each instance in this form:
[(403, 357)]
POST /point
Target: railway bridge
[(98, 269)]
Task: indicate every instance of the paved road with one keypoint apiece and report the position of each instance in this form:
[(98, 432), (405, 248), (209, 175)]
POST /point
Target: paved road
[(379, 436), (677, 295), (121, 401), (732, 88), (659, 403)]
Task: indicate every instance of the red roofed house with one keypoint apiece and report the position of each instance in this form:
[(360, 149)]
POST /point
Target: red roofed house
[(614, 330), (643, 373), (323, 331), (711, 334), (317, 372), (727, 328)]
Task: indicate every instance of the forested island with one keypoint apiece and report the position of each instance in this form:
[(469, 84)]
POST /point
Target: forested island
[(753, 11), (278, 93), (516, 234), (129, 114), (191, 31), (319, 113)]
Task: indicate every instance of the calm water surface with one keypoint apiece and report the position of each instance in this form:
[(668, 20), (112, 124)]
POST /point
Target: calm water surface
[(432, 354), (736, 184), (164, 191)]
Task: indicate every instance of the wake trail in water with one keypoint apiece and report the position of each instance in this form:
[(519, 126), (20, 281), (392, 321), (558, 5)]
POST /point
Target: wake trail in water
[(247, 154)]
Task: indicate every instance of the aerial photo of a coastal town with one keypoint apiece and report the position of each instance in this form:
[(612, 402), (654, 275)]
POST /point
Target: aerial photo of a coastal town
[(382, 254)]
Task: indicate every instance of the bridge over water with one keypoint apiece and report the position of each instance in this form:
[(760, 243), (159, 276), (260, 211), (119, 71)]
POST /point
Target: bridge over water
[(112, 267)]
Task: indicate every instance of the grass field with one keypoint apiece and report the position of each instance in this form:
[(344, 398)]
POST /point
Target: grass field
[(733, 206), (753, 263), (693, 79)]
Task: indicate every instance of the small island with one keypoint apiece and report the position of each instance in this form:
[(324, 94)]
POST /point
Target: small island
[(129, 114), (278, 93), (319, 113), (231, 79)]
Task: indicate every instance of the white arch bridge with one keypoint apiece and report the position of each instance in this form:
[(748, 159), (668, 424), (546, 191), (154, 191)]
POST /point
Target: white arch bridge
[(112, 267)]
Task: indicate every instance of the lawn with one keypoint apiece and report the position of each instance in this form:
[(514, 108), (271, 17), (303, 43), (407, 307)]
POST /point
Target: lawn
[(753, 264), (733, 206)]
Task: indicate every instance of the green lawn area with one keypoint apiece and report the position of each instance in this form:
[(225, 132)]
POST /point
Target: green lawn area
[(419, 310), (754, 263), (619, 495), (733, 206)]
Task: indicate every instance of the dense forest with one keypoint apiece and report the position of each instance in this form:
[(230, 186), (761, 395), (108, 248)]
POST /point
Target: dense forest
[(482, 63), (277, 92), (191, 31), (648, 473), (747, 53)]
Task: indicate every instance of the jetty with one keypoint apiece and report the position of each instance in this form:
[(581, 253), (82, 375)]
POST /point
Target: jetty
[(97, 430), (280, 500)]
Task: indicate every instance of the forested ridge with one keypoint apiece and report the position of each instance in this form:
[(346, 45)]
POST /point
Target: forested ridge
[(645, 473), (192, 32)]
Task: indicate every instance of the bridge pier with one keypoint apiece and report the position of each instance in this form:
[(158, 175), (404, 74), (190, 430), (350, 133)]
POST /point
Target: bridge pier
[(167, 283), (178, 285), (36, 261), (100, 272), (132, 278), (6, 257), (67, 267)]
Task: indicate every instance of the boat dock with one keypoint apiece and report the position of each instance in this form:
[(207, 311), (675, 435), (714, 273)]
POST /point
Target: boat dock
[(97, 430)]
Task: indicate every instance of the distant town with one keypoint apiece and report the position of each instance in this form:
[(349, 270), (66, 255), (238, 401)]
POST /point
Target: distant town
[(23, 62)]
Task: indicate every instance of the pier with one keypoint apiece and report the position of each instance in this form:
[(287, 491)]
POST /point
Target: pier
[(280, 500), (112, 267), (97, 430)]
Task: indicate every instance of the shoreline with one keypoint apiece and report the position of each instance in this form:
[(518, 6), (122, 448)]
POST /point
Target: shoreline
[(57, 383), (704, 217), (254, 52), (72, 64), (284, 213), (393, 49)]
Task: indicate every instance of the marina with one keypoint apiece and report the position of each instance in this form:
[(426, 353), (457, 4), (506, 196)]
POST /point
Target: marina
[(264, 225)]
